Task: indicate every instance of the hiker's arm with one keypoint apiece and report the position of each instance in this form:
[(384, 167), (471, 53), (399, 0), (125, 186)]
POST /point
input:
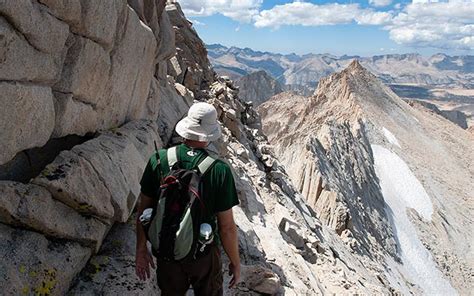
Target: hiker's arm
[(228, 235), (143, 203), (143, 258)]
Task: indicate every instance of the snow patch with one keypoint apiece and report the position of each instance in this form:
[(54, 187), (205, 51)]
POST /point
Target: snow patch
[(391, 137), (402, 190)]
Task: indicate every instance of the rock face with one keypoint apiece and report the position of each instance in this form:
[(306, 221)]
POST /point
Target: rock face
[(98, 86), (71, 68), (27, 117), (190, 67), (258, 87), (329, 145), (90, 66), (32, 264)]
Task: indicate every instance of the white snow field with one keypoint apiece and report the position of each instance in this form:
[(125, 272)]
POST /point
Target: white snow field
[(391, 137), (402, 190)]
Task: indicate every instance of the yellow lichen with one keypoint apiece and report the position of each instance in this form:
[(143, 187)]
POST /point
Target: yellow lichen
[(84, 207), (46, 172), (47, 284), (22, 268), (25, 291)]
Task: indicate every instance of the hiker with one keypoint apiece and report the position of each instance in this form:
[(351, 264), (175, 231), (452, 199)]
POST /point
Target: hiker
[(202, 267)]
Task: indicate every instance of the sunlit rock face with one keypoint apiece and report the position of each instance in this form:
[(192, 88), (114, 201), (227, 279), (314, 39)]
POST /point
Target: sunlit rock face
[(92, 88), (326, 143)]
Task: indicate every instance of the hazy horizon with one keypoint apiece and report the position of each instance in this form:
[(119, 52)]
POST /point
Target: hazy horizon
[(364, 28), (339, 55)]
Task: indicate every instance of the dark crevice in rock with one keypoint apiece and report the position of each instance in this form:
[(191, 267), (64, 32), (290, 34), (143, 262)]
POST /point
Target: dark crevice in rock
[(29, 163), (115, 205), (12, 25), (119, 34), (77, 99), (46, 9), (27, 83), (54, 241)]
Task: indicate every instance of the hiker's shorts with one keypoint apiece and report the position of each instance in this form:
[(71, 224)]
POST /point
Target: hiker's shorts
[(204, 275)]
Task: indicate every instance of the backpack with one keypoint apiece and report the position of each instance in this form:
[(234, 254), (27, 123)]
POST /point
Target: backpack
[(175, 223)]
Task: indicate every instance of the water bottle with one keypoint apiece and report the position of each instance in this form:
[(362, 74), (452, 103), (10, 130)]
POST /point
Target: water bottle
[(146, 216), (206, 236)]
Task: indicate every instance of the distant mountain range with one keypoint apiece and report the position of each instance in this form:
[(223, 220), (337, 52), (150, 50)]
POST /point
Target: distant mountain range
[(302, 72)]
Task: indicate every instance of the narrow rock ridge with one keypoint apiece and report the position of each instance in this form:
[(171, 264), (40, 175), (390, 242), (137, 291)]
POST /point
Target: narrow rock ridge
[(325, 143), (127, 71)]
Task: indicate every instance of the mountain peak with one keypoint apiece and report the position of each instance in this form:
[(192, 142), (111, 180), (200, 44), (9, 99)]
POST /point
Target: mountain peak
[(355, 65)]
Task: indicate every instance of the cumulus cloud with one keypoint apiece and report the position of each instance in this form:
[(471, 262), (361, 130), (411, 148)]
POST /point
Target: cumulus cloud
[(239, 10), (422, 23), (309, 14), (445, 24), (380, 3), (435, 24)]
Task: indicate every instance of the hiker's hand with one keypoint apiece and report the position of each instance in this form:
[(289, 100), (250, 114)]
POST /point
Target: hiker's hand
[(143, 261), (234, 271)]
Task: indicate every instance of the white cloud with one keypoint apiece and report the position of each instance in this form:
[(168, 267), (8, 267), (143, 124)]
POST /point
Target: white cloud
[(309, 14), (197, 23), (380, 3), (446, 24), (435, 24), (239, 10)]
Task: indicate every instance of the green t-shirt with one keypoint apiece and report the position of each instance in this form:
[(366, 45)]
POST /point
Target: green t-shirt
[(218, 187)]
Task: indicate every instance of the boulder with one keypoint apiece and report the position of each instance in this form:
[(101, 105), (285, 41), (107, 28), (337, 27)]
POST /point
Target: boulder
[(260, 279), (166, 45), (72, 180), (131, 74), (185, 93), (119, 166), (112, 270), (32, 264), (85, 72), (68, 11), (73, 116), (293, 232), (42, 31), (174, 68), (173, 108), (20, 61), (26, 117), (100, 20), (231, 121), (143, 134), (101, 176), (31, 206)]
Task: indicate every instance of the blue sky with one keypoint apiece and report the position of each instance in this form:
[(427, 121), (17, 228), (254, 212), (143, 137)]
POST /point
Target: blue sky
[(337, 27)]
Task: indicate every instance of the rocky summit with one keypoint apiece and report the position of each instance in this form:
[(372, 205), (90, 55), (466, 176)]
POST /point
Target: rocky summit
[(394, 181), (350, 191)]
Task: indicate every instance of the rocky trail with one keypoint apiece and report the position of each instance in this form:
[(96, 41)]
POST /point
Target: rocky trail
[(88, 87)]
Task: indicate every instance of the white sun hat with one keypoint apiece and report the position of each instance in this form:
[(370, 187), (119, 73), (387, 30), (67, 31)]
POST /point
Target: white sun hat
[(200, 124)]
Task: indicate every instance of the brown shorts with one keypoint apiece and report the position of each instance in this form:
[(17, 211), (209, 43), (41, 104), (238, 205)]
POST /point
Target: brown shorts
[(204, 275)]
